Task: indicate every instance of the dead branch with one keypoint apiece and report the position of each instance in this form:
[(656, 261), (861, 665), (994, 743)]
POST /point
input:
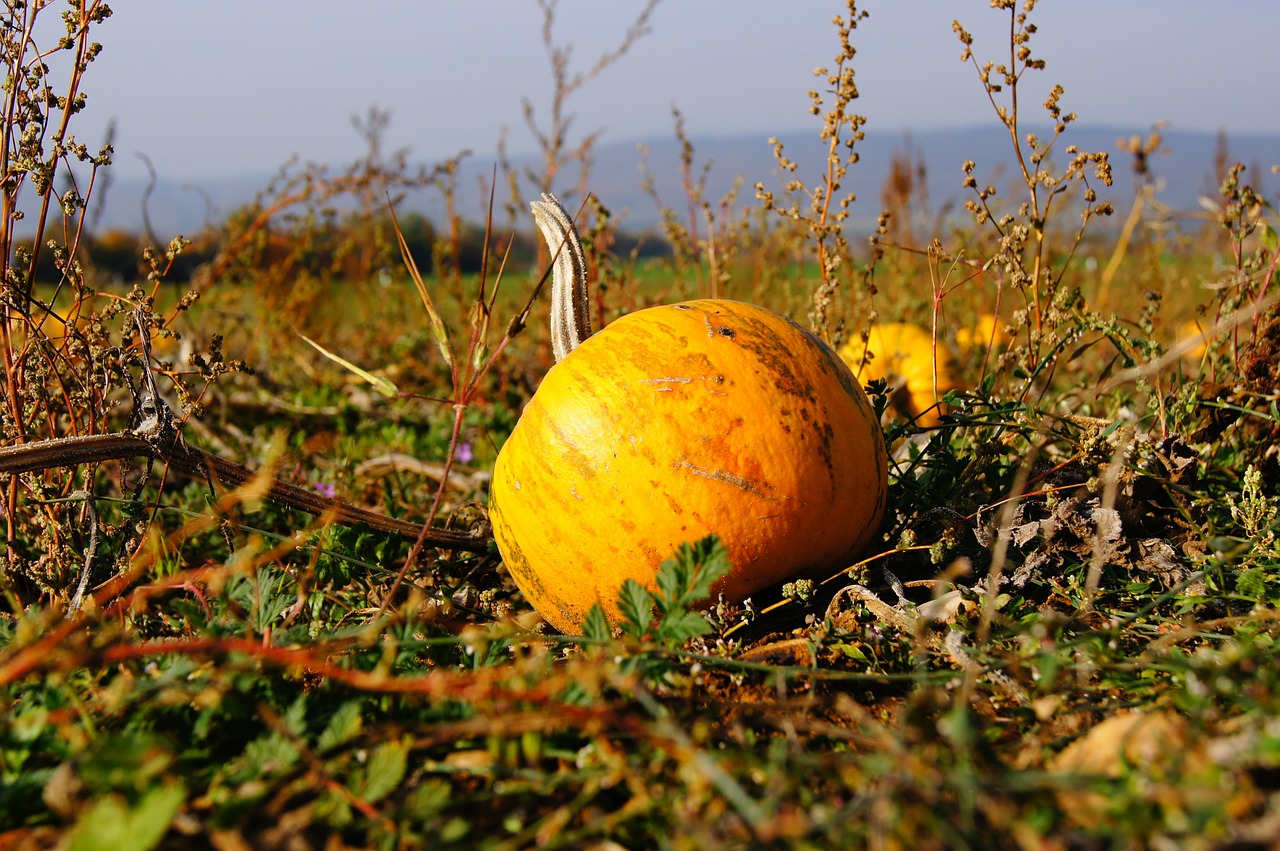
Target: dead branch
[(181, 456)]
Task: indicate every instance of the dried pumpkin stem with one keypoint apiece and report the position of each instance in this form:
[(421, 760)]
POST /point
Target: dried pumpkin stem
[(570, 306)]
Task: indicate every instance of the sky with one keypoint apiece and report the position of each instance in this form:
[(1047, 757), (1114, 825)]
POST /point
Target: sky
[(234, 87)]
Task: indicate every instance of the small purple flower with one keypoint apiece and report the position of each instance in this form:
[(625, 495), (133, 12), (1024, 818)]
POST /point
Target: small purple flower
[(326, 490), (463, 453)]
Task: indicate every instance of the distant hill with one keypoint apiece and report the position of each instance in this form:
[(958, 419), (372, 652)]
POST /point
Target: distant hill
[(1183, 166)]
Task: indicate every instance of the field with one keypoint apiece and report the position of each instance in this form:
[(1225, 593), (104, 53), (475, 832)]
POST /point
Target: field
[(252, 598)]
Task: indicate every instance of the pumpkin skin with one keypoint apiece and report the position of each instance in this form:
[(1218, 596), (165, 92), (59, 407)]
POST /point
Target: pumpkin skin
[(676, 422), (904, 356)]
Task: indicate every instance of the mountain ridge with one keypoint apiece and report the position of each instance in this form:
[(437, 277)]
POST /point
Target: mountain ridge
[(1182, 167)]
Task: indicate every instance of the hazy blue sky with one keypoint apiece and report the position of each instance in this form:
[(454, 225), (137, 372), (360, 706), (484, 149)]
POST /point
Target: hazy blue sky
[(220, 87)]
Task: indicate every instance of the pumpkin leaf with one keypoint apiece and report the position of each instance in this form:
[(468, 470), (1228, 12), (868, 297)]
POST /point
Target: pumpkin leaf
[(636, 604), (596, 626)]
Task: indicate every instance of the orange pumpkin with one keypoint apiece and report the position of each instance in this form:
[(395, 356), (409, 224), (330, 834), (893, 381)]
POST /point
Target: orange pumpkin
[(904, 356), (675, 422)]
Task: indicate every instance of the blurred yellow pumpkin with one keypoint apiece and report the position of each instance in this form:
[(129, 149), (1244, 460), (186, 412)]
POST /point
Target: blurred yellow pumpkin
[(987, 330), (918, 373), (1192, 330)]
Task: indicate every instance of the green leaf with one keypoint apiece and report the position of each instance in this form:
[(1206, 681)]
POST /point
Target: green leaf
[(596, 626), (386, 769), (1267, 235), (344, 726), (112, 825), (28, 725), (333, 809), (679, 627), (295, 717), (429, 798), (850, 650), (438, 329), (380, 383), (1252, 582), (271, 753), (636, 605), (686, 578)]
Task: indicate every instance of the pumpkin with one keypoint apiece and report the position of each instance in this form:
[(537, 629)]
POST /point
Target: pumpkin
[(988, 331), (1191, 330), (672, 423), (903, 355)]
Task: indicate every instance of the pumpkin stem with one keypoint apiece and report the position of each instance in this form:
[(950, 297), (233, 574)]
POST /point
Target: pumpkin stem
[(570, 305)]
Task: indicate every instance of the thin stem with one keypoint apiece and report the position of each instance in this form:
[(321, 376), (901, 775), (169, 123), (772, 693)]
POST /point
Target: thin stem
[(423, 537)]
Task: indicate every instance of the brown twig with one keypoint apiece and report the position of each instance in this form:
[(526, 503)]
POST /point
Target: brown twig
[(72, 451)]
